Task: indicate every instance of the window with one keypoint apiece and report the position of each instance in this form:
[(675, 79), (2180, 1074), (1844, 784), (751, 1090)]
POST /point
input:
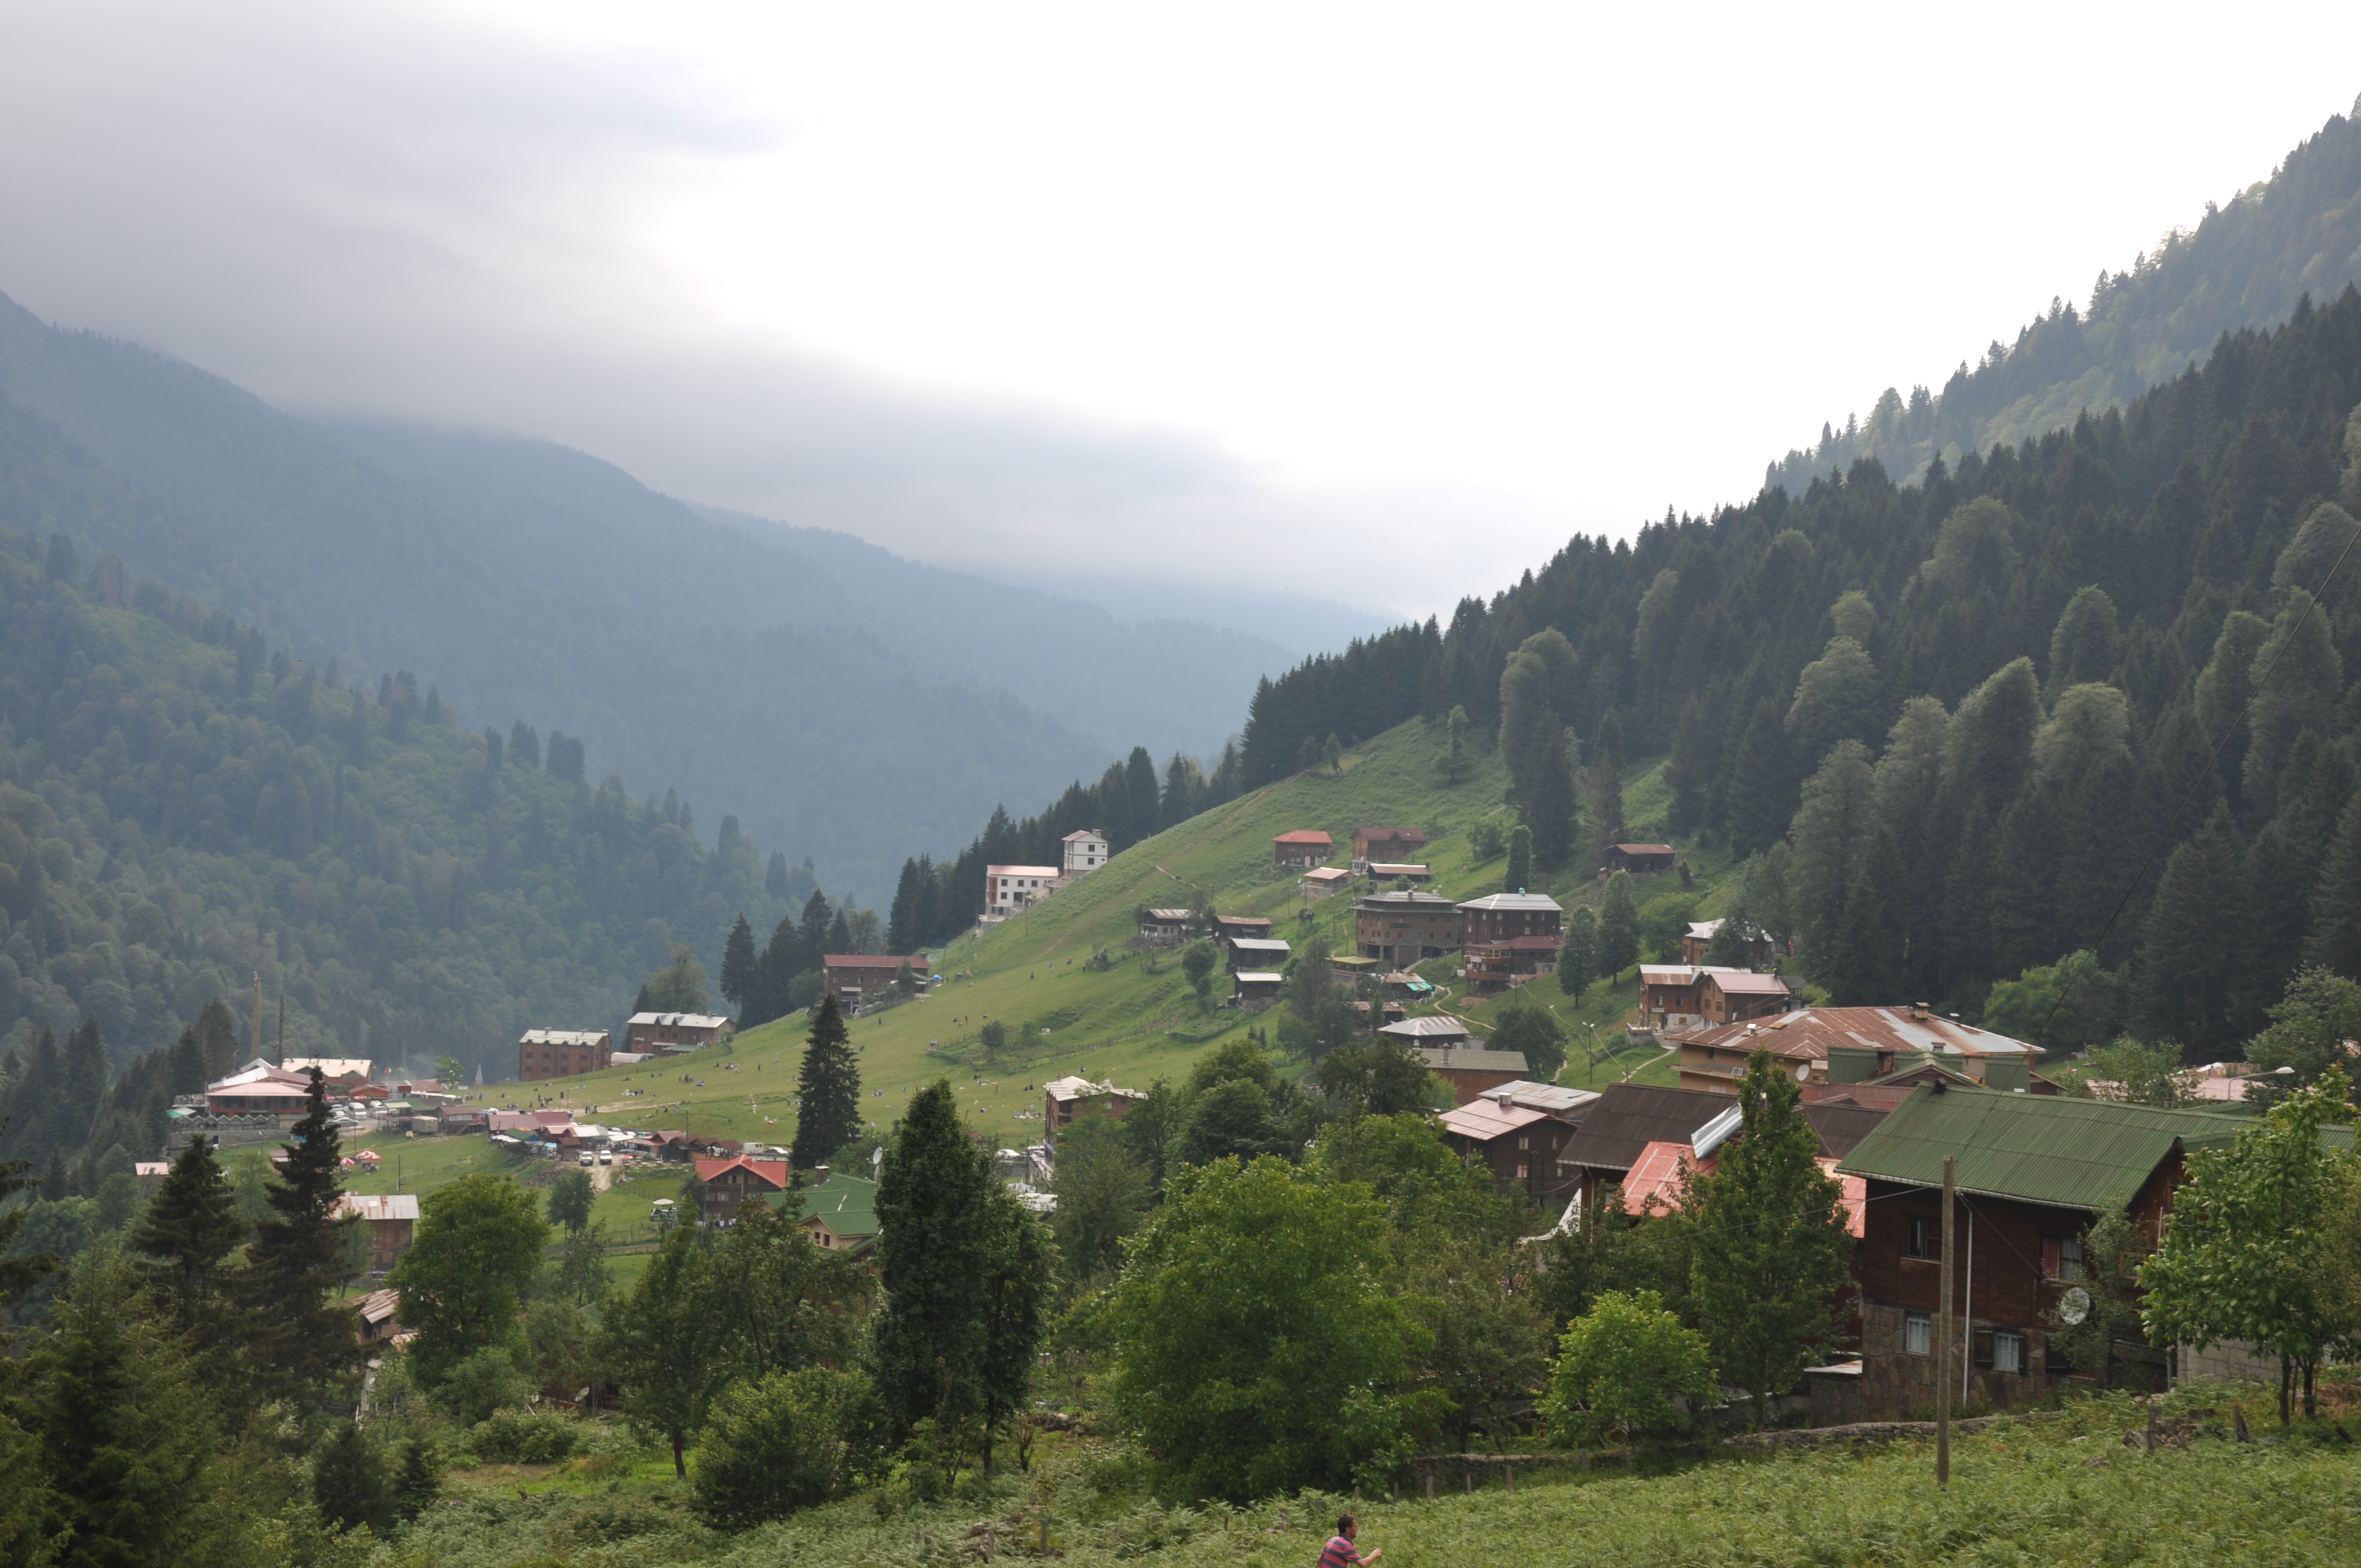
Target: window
[(2061, 1258), (1918, 1334), (1923, 1237), (2008, 1352), (1524, 1143)]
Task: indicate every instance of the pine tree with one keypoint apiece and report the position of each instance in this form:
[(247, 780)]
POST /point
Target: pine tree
[(1577, 958), (1618, 925), (1332, 755), (300, 1336), (1547, 804), (828, 1116), (1769, 1249), (901, 915), (839, 932), (939, 1234), (84, 1072), (349, 1484), (1761, 797), (57, 1183), (1520, 859), (524, 744), (812, 931), (2335, 939), (774, 876), (2191, 940), (1606, 786), (217, 1036), (190, 1229), (738, 962)]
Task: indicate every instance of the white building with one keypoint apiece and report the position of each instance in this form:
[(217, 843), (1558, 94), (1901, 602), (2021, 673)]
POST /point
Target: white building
[(1007, 889), (1086, 850)]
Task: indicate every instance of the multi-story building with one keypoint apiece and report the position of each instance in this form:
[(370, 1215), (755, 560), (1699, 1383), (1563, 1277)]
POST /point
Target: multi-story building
[(562, 1053), (1404, 928), (657, 1034), (1499, 916), (1086, 851), (1009, 889)]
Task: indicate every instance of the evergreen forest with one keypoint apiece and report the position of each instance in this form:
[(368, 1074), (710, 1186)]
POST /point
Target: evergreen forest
[(1963, 712), (2243, 266)]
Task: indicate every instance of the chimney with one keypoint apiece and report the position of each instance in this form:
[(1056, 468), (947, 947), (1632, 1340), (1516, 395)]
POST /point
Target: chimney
[(819, 1175), (1919, 1010)]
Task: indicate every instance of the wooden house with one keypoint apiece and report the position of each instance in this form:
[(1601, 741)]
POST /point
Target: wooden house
[(1405, 929), (2032, 1172), (1640, 859), (1322, 880), (1304, 849), (1395, 844), (1700, 934), (392, 1222), (855, 978), (668, 1033), (1063, 1099), (1170, 928), (732, 1179), (840, 1212)]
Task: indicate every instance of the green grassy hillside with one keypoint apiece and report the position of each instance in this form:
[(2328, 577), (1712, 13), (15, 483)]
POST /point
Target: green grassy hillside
[(1134, 1020)]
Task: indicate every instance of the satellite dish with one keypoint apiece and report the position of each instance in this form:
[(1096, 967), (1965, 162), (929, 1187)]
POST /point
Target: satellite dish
[(2074, 1305), (1803, 1073)]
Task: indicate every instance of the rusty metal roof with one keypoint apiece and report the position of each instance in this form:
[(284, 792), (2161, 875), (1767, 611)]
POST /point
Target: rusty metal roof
[(2039, 1148), (1809, 1034)]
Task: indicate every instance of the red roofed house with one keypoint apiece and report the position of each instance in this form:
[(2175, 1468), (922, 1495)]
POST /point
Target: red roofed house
[(730, 1182), (1640, 859), (1304, 849), (1386, 844), (852, 976)]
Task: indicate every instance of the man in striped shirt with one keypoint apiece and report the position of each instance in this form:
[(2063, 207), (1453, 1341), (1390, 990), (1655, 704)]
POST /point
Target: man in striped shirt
[(1340, 1551)]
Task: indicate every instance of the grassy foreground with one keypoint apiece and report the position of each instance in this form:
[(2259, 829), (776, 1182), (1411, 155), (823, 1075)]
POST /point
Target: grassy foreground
[(2052, 1489)]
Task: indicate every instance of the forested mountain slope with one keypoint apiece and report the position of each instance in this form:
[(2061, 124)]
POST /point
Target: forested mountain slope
[(1972, 703), (2244, 266), (182, 810), (587, 526), (628, 634)]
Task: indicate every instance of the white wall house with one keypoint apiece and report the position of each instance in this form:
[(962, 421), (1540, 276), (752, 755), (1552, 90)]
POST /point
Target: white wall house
[(1085, 851), (1007, 889)]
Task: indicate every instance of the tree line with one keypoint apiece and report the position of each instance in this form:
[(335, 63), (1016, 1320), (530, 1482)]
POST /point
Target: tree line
[(1976, 700), (935, 900)]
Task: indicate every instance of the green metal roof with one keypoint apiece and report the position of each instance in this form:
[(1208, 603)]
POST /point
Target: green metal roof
[(846, 1204), (2041, 1148)]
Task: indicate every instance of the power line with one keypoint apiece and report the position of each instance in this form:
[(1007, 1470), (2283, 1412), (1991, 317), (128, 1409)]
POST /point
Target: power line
[(2213, 764)]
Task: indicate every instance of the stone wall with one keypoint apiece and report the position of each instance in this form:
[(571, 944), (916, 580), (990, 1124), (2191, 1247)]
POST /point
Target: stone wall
[(1894, 1384)]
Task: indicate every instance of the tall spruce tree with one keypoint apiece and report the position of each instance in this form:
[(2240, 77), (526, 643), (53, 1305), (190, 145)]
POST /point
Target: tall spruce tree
[(188, 1231), (1606, 786), (1769, 1248), (940, 1347), (812, 930), (1618, 925), (1577, 956), (303, 1338), (2193, 941), (738, 964), (1520, 859), (829, 1115), (2335, 939), (217, 1037)]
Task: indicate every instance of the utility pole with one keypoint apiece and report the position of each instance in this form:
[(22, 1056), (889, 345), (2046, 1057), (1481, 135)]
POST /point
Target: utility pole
[(257, 1017), (1943, 1339)]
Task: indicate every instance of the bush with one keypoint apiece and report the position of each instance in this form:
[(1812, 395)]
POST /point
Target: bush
[(483, 1383), (784, 1443), (526, 1437), (1619, 1366)]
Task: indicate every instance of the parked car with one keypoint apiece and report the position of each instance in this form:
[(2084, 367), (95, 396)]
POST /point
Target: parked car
[(606, 1156), (587, 1159)]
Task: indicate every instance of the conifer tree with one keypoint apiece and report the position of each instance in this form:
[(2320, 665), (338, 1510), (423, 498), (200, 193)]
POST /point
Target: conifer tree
[(1520, 859), (301, 1337), (1769, 1248), (839, 932), (828, 1116), (1618, 925), (2193, 940), (217, 1037), (524, 744), (1760, 799), (738, 962), (955, 1337), (774, 875), (1606, 786), (812, 930), (1547, 806), (2335, 939), (190, 1230), (1577, 958), (83, 1074)]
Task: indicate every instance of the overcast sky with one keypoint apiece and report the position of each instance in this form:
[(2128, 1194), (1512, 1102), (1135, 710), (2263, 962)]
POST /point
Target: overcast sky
[(1378, 302)]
